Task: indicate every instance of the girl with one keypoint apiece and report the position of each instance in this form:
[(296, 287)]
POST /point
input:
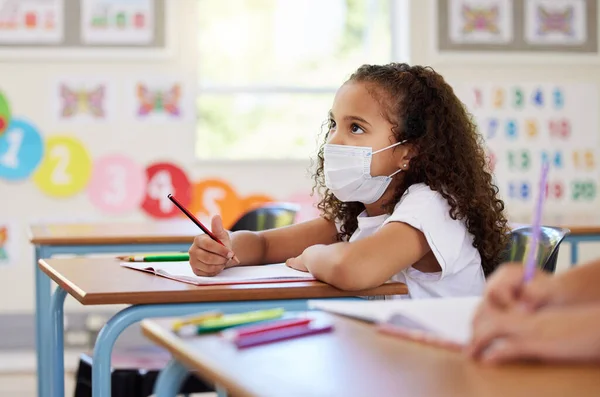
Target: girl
[(406, 195)]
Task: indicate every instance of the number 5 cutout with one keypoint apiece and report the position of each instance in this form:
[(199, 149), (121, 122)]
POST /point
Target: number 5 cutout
[(65, 169), (21, 150), (212, 197), (117, 184)]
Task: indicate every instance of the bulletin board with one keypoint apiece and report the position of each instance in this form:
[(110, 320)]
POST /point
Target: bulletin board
[(526, 124), (56, 27), (517, 26)]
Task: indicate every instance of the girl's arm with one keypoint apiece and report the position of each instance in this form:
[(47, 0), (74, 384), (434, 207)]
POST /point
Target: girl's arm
[(278, 245), (368, 262)]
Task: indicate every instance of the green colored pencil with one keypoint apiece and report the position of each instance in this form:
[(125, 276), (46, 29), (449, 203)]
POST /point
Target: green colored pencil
[(174, 257)]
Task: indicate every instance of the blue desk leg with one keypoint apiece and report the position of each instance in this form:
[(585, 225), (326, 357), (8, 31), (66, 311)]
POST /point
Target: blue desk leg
[(221, 392), (57, 381), (574, 252), (43, 293), (170, 380), (42, 322)]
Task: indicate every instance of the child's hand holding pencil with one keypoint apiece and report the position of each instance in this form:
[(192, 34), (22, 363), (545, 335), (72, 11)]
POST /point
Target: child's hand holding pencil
[(212, 251), (207, 256)]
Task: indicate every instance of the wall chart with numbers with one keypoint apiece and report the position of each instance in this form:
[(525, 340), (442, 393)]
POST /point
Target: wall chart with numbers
[(526, 124)]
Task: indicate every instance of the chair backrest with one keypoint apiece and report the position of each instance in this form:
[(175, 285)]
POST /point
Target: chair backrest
[(548, 245), (268, 216)]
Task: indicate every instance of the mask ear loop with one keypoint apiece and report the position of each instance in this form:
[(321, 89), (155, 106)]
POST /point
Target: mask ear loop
[(388, 147), (399, 170)]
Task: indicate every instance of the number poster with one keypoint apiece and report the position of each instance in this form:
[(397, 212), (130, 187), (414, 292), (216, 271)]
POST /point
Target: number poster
[(526, 124)]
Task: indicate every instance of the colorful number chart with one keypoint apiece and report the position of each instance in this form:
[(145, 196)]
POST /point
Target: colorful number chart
[(526, 124)]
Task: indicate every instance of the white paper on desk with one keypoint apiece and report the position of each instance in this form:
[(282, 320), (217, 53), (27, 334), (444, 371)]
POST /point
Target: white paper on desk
[(449, 318), (182, 271)]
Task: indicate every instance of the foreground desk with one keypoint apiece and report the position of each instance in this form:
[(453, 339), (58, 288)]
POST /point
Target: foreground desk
[(354, 361), (103, 281), (84, 239)]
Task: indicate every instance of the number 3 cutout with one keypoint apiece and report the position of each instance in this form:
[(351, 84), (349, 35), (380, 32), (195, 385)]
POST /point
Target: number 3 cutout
[(117, 184), (65, 169)]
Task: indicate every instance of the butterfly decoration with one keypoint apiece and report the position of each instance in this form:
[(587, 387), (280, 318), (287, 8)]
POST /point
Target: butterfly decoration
[(158, 101), (3, 238), (479, 19), (82, 101), (555, 21)]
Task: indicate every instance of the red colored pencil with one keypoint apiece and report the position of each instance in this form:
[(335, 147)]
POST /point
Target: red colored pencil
[(264, 327)]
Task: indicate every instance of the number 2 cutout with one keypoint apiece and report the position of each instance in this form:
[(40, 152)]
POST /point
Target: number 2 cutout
[(66, 168)]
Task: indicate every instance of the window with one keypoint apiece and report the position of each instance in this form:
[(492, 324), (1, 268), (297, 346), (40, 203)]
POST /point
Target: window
[(268, 70)]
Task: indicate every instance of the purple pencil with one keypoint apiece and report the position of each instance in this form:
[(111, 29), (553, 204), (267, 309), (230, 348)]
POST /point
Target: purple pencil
[(537, 226)]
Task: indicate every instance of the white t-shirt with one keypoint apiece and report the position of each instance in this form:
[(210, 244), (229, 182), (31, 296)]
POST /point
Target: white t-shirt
[(449, 240)]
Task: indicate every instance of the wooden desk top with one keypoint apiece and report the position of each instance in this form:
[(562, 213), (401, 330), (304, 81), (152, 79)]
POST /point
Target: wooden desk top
[(100, 281), (176, 231), (355, 360)]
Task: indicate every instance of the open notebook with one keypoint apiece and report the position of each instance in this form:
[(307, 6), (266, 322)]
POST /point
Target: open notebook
[(181, 271), (444, 322)]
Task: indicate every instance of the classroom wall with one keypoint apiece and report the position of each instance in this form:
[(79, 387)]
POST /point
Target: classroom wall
[(506, 68), (26, 84)]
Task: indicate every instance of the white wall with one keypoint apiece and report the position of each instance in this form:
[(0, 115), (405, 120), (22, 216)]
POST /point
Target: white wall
[(26, 84)]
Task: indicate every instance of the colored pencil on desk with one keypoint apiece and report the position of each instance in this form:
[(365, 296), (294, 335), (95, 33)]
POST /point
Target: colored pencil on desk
[(264, 327), (280, 335), (175, 257), (238, 319)]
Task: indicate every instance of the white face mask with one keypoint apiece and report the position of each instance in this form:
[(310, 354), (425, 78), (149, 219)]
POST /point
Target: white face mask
[(348, 173)]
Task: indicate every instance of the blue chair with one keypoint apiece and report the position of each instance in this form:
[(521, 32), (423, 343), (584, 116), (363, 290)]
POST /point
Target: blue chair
[(268, 216), (548, 246)]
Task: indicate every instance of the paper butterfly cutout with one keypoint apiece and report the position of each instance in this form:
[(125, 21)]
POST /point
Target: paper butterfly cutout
[(82, 101), (478, 19), (159, 100), (555, 21), (3, 238)]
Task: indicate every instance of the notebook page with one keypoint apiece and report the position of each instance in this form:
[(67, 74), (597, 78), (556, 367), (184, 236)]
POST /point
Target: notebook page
[(449, 318), (183, 271)]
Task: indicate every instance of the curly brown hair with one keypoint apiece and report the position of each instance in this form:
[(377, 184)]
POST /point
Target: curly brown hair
[(449, 158)]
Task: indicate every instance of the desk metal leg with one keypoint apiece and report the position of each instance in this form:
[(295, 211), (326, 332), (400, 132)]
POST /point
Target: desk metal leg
[(221, 392), (43, 294), (574, 252), (42, 322), (57, 355), (170, 380), (101, 381)]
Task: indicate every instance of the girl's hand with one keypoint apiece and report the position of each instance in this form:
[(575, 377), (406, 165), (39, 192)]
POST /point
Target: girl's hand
[(313, 254), (297, 263), (209, 258), (568, 334)]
